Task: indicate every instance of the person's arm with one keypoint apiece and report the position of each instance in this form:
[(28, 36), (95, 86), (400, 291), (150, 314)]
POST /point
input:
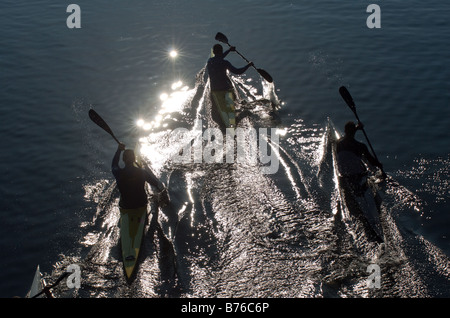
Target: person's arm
[(115, 162), (372, 160), (238, 71), (231, 49), (163, 195), (226, 53), (153, 180)]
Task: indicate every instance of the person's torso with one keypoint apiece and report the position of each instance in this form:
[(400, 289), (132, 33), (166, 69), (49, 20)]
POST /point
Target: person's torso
[(131, 184), (349, 157), (217, 70)]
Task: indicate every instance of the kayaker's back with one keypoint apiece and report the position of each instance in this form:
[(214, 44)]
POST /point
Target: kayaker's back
[(217, 70), (349, 157), (131, 183)]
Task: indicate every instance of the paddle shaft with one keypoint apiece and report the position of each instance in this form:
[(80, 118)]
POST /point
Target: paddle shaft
[(47, 289), (222, 38), (261, 72), (349, 100), (367, 138)]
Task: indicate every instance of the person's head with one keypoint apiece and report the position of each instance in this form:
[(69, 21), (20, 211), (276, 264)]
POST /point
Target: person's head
[(128, 157), (218, 50), (350, 129)]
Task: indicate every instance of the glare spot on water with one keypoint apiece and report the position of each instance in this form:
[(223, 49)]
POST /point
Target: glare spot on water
[(173, 54)]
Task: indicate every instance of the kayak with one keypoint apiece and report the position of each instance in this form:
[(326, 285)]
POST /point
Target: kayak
[(132, 224), (37, 285), (359, 194), (132, 227), (223, 108)]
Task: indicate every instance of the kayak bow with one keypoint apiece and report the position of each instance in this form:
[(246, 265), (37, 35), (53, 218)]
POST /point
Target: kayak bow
[(37, 284), (132, 224)]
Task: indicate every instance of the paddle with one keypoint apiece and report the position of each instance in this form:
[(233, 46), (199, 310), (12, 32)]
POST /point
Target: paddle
[(46, 289), (96, 118), (349, 100), (222, 38)]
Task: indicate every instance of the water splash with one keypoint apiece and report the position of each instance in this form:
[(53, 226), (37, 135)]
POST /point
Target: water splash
[(231, 231)]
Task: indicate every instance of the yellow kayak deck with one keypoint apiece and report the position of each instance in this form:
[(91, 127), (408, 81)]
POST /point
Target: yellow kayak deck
[(224, 108), (132, 225)]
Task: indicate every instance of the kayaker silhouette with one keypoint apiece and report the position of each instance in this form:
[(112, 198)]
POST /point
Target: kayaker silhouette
[(131, 180), (222, 92), (350, 154), (218, 66), (133, 202)]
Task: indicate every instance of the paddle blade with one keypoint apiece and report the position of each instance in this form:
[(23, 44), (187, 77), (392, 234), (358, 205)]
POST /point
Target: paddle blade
[(265, 75), (221, 38), (347, 97), (96, 118)]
